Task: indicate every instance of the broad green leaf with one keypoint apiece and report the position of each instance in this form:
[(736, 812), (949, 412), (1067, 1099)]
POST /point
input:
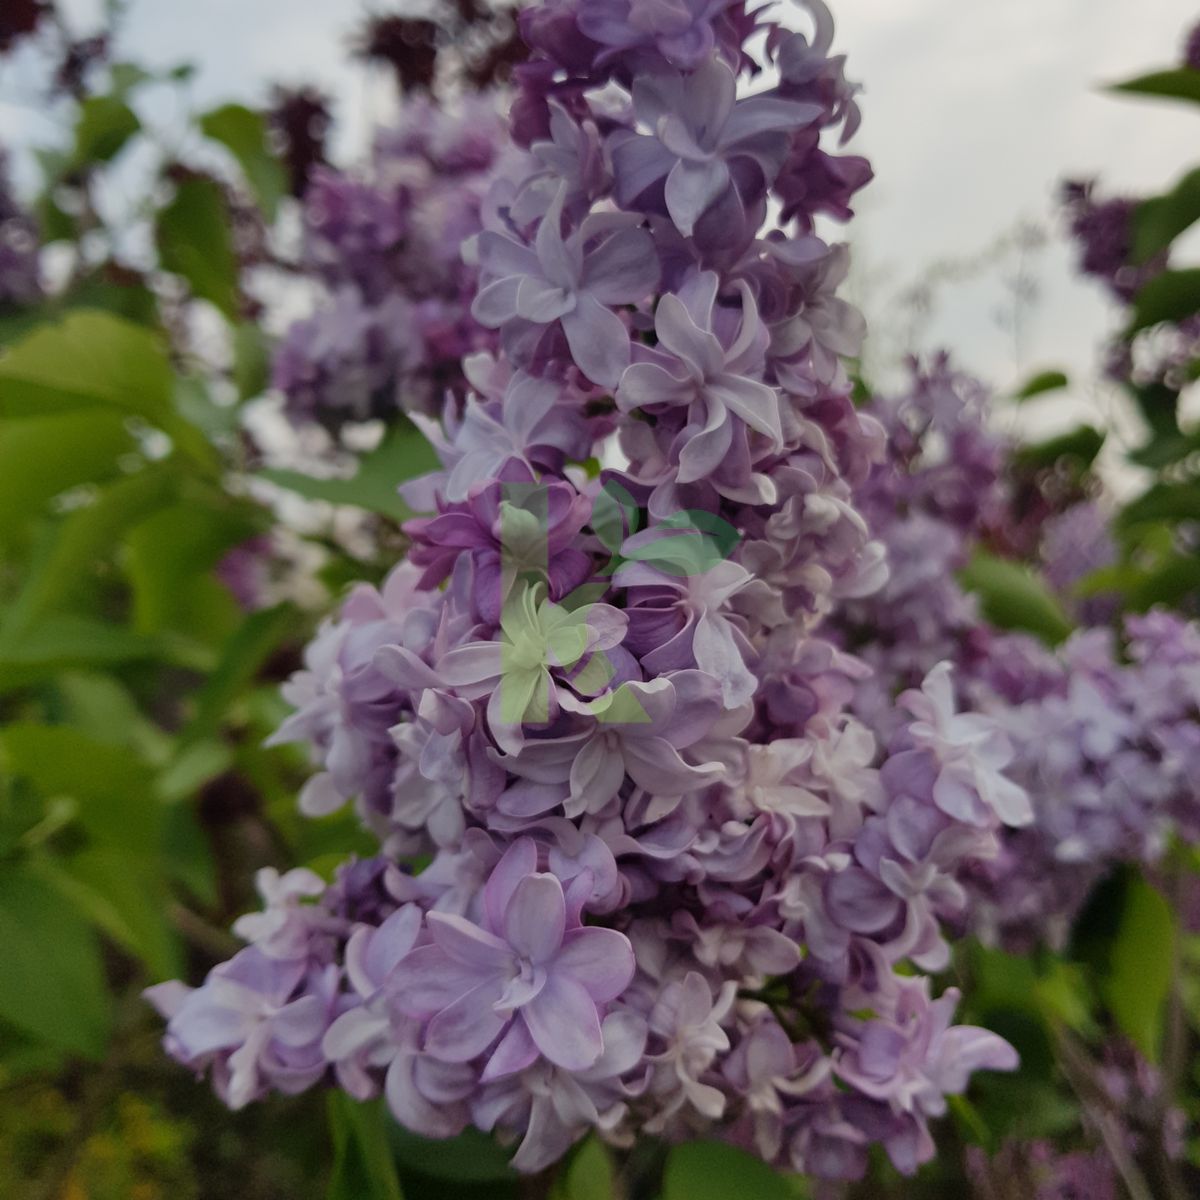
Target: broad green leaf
[(1163, 502), (1141, 966), (113, 788), (194, 241), (713, 1171), (41, 457), (1180, 84), (403, 454), (1080, 445), (588, 1174), (52, 986), (127, 899), (470, 1158), (363, 1168), (1171, 296), (1013, 597), (240, 661), (105, 125), (92, 359), (187, 855), (244, 134), (58, 643), (1040, 384), (1161, 219), (171, 550), (84, 538), (1171, 582), (1166, 450)]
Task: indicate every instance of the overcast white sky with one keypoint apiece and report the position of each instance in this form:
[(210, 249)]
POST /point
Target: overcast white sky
[(974, 111)]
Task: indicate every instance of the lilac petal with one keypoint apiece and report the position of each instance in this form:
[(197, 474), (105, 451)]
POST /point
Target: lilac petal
[(692, 187), (639, 163), (966, 1049), (530, 798), (300, 1023), (598, 340), (763, 114), (412, 1109), (515, 1052), (535, 918), (350, 1034), (702, 456), (470, 665), (428, 980), (520, 860), (755, 403), (717, 654), (655, 765), (644, 384), (468, 1027), (678, 333), (596, 775), (501, 256), (467, 944), (622, 269), (542, 302), (564, 1025), (624, 1044), (402, 666), (710, 93), (599, 960), (496, 303)]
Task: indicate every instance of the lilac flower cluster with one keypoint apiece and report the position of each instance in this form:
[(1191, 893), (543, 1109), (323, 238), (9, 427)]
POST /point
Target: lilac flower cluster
[(395, 323), (669, 881), (20, 249), (1105, 732)]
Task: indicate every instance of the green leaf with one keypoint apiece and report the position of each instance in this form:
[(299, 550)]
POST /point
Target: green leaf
[(362, 1168), (240, 661), (95, 359), (1141, 967), (244, 134), (105, 125), (471, 1157), (1171, 296), (403, 454), (1157, 222), (588, 1174), (113, 788), (84, 539), (1080, 445), (1171, 582), (1180, 84), (714, 1171), (52, 986), (251, 361), (194, 241), (1163, 502), (1013, 597), (41, 457), (127, 899), (57, 643), (171, 550), (1044, 381)]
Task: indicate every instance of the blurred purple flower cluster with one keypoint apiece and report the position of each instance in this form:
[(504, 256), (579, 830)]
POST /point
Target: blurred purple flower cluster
[(670, 879), (395, 322), (1106, 730)]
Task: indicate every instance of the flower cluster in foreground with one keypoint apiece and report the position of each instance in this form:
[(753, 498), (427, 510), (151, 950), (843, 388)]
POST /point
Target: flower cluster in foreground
[(667, 882)]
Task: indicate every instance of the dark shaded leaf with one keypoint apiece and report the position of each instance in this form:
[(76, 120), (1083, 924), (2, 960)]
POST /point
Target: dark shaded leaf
[(52, 986), (194, 241), (1180, 84), (1043, 382), (362, 1168), (244, 134), (714, 1171), (1161, 219), (1140, 967), (1171, 296)]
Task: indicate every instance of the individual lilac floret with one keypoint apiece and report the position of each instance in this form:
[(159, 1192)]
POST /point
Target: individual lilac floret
[(711, 382), (530, 977), (569, 283), (703, 142), (682, 31)]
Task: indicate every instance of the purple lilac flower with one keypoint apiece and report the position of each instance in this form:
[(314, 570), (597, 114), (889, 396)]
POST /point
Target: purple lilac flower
[(631, 836)]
